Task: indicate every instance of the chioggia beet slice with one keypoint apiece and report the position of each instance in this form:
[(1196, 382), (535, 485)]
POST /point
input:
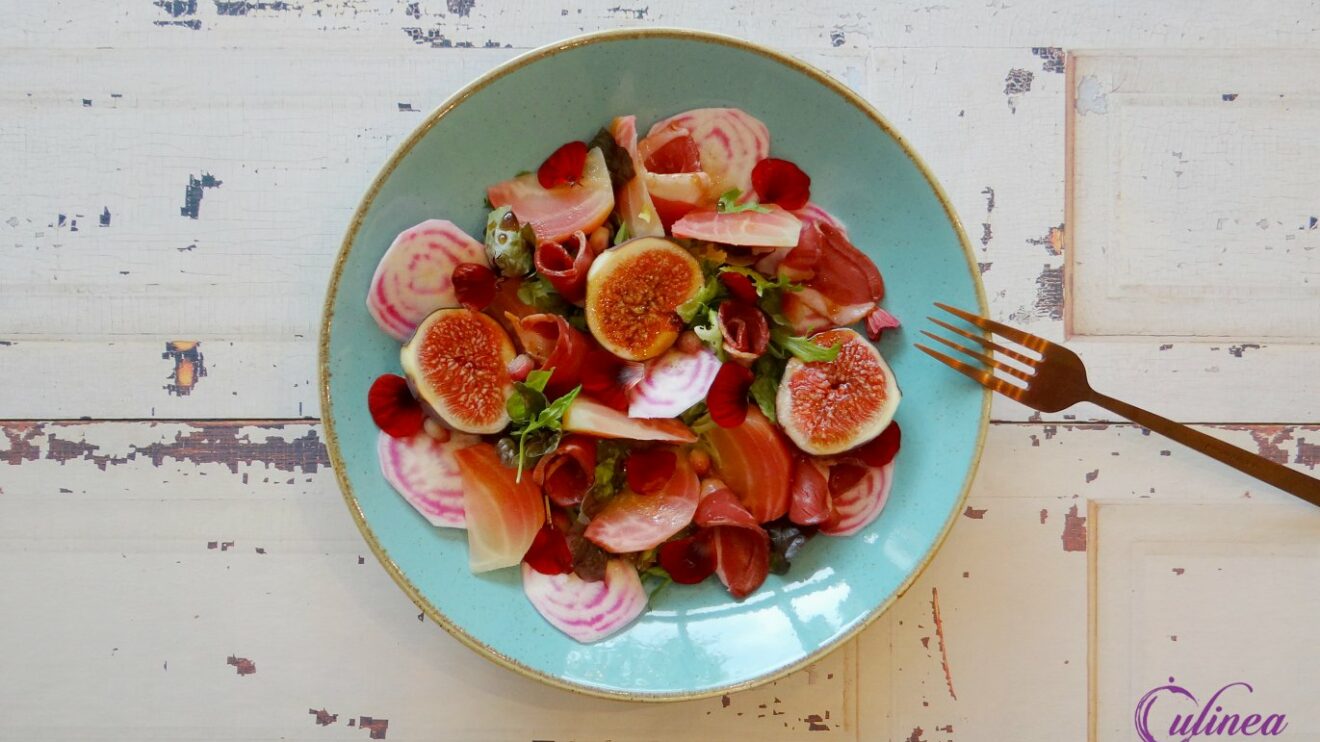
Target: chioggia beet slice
[(424, 471), (413, 278), (587, 611)]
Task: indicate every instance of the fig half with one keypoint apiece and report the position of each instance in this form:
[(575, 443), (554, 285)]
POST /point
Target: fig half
[(633, 291), (457, 365), (827, 407)]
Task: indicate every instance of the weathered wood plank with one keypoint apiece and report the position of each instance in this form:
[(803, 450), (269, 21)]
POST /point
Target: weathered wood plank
[(211, 585), (477, 23), (197, 542), (245, 277)]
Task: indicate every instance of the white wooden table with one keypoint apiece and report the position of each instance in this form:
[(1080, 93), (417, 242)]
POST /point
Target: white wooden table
[(175, 559)]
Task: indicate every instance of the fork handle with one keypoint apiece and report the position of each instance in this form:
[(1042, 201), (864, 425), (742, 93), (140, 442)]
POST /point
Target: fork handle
[(1288, 480)]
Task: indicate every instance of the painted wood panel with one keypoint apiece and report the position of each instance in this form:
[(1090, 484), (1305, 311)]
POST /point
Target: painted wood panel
[(240, 525)]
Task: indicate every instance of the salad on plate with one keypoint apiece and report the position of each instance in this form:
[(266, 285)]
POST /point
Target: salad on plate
[(653, 368)]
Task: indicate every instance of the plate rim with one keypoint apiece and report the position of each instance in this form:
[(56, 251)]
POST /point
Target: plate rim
[(332, 290)]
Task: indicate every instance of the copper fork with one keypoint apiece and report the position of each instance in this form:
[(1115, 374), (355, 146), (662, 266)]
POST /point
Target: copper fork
[(1056, 380)]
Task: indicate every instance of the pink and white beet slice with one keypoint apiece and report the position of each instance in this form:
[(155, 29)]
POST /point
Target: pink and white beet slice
[(413, 278), (587, 611), (422, 469), (672, 383)]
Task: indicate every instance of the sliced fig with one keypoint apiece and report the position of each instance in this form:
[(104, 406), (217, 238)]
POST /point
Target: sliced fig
[(457, 364), (633, 291), (827, 407)]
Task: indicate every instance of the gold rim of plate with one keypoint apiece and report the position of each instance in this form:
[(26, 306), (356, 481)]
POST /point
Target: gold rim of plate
[(327, 316)]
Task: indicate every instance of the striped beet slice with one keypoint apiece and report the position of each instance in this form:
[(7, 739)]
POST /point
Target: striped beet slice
[(413, 278)]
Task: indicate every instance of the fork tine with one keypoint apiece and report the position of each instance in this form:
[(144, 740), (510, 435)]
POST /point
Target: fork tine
[(983, 358), (979, 375), (1012, 333), (1028, 360)]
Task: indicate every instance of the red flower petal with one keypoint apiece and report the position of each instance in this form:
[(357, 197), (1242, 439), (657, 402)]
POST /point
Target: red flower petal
[(782, 183), (392, 406), (474, 285), (649, 470), (727, 398), (564, 165), (549, 553), (740, 287), (607, 378), (882, 449), (688, 560)]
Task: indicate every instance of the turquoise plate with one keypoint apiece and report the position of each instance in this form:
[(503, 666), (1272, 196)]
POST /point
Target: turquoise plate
[(698, 641)]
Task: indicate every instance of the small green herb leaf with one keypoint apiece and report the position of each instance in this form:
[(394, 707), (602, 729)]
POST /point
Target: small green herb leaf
[(802, 348), (539, 293), (621, 236), (728, 203), (710, 333), (769, 370), (538, 379), (688, 310)]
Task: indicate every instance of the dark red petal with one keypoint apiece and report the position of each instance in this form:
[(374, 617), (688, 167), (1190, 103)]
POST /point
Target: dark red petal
[(564, 165), (607, 378), (392, 406), (649, 469), (678, 155), (782, 183), (740, 287), (688, 560), (474, 285), (727, 397), (882, 449), (844, 475), (549, 553)]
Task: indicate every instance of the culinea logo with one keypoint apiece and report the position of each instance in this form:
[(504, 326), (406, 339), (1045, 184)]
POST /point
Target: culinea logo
[(1203, 720)]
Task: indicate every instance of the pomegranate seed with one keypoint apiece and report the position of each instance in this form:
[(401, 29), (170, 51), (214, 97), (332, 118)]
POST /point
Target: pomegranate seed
[(727, 397)]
